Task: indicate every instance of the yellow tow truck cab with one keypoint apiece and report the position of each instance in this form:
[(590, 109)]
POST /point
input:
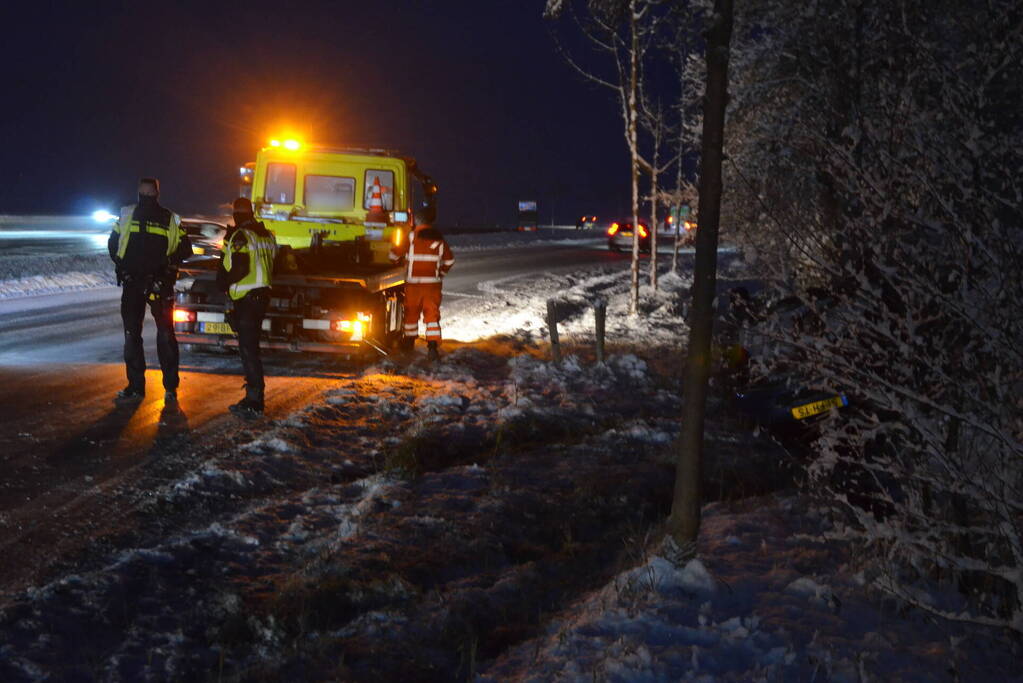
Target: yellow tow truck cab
[(301, 192), (335, 213)]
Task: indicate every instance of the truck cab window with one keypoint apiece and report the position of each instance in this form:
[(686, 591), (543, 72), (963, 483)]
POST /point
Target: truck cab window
[(280, 183), (386, 180), (329, 193)]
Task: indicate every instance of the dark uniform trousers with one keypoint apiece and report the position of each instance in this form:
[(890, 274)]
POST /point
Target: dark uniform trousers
[(134, 297), (247, 321)]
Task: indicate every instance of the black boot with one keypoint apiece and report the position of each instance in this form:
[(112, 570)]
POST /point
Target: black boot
[(250, 406), (130, 393), (408, 346), (432, 354)]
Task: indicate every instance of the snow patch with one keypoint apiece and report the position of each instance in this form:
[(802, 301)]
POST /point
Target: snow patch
[(273, 444)]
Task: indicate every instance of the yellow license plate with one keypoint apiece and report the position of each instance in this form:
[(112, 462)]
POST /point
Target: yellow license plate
[(198, 250), (817, 407), (217, 328)]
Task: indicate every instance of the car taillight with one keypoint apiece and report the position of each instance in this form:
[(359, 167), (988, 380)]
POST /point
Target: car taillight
[(642, 232), (182, 316), (613, 229)]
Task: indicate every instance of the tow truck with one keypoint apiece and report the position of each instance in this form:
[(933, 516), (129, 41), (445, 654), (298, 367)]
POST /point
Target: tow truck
[(335, 212)]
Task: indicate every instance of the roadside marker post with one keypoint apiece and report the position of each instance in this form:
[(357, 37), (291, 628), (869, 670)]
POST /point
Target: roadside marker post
[(552, 326), (599, 317)]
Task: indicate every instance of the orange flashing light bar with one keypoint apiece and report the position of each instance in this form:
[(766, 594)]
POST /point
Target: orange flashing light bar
[(290, 145)]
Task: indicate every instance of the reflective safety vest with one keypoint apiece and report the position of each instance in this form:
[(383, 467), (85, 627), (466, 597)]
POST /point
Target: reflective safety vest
[(261, 250), (126, 226), (428, 260)]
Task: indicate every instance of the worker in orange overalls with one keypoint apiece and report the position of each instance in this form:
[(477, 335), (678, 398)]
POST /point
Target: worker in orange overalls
[(427, 260)]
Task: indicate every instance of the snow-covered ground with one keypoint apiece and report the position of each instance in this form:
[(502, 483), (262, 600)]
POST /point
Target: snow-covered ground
[(517, 306), (770, 598), (52, 275), (48, 254), (494, 517)]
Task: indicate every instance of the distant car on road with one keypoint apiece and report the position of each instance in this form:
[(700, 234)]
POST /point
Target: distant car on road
[(686, 232), (619, 235), (206, 235), (586, 223)]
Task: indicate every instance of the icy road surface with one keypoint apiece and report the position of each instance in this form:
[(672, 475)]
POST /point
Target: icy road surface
[(48, 235)]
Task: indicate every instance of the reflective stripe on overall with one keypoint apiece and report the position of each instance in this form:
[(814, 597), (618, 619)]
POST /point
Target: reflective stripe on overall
[(431, 264)]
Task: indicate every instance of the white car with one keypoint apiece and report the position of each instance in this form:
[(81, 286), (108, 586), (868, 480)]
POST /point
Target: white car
[(206, 235), (619, 236)]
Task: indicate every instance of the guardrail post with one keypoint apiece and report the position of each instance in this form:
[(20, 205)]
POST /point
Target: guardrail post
[(552, 326), (599, 317)]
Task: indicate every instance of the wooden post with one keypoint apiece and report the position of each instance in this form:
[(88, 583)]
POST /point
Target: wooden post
[(599, 316), (552, 326)]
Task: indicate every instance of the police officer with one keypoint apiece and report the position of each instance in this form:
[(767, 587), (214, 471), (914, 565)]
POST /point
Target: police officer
[(245, 273), (146, 245)]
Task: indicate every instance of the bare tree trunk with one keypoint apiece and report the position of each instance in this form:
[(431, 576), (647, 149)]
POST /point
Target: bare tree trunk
[(657, 131), (653, 215), (678, 194), (634, 152), (684, 522)]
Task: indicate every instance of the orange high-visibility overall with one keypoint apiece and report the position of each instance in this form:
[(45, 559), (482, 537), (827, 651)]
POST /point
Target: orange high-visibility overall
[(428, 259)]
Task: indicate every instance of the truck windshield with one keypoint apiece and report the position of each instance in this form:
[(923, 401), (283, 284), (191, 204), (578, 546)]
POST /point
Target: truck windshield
[(329, 193), (280, 183)]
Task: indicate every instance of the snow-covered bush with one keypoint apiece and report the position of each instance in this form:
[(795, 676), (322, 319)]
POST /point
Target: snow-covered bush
[(876, 158)]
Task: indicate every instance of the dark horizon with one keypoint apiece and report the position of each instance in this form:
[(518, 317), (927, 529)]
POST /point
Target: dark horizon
[(479, 95)]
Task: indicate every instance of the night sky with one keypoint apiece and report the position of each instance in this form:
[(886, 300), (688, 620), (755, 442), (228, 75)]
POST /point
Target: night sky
[(97, 95)]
